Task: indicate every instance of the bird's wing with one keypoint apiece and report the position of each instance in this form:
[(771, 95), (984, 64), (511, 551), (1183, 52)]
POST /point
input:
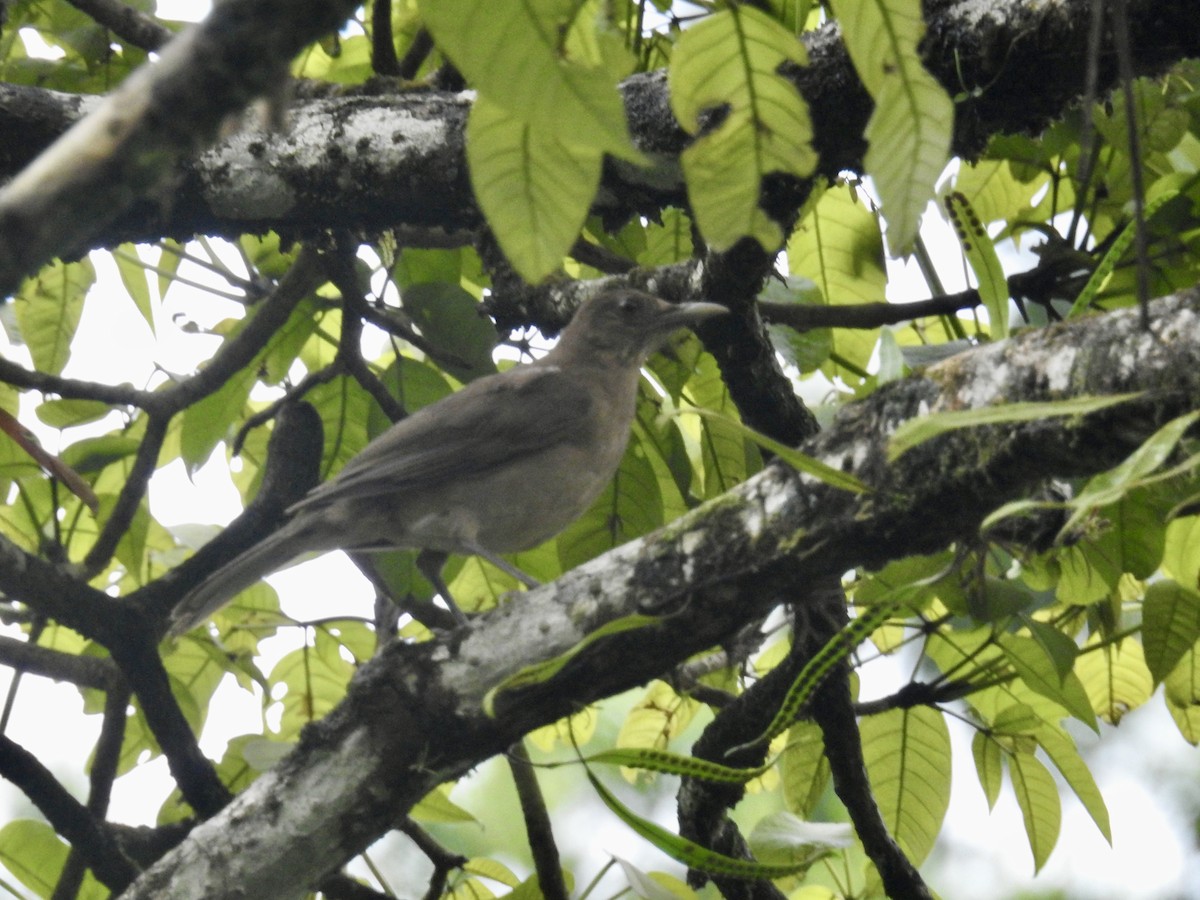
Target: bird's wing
[(486, 424)]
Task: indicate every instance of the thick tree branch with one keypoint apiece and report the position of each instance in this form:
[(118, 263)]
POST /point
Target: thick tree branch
[(414, 716), (129, 147), (1021, 64)]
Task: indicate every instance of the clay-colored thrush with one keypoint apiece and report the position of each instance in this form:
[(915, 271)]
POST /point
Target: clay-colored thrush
[(500, 466)]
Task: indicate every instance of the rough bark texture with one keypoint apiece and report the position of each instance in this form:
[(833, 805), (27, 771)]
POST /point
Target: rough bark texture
[(375, 162), (414, 716)]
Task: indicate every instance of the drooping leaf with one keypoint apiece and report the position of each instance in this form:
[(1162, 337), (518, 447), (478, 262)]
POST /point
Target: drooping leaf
[(1037, 795), (907, 752), (48, 307), (730, 60), (985, 263), (1170, 625), (917, 431), (533, 186), (517, 62), (908, 135)]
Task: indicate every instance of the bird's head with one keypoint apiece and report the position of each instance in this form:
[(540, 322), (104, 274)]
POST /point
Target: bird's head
[(628, 325)]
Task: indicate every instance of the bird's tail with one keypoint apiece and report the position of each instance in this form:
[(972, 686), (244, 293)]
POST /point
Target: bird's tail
[(244, 570)]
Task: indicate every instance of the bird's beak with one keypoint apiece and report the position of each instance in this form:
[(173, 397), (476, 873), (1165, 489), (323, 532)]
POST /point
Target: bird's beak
[(689, 314)]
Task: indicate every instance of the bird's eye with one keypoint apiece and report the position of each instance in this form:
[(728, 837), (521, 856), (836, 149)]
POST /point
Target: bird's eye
[(628, 305)]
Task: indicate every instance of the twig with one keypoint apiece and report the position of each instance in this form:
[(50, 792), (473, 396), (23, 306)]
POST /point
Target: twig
[(84, 671), (125, 22), (444, 862), (537, 824), (803, 317), (418, 52), (131, 496), (104, 771), (136, 653), (383, 44), (67, 815)]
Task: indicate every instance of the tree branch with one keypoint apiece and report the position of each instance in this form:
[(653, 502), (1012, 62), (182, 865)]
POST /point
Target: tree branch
[(129, 147), (414, 716), (67, 815)]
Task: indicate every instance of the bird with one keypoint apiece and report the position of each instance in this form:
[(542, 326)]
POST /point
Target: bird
[(500, 466)]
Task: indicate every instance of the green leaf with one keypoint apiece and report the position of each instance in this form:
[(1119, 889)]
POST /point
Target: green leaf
[(135, 276), (1182, 694), (315, 676), (689, 853), (436, 806), (1134, 470), (1040, 672), (1170, 626), (908, 135), (1116, 679), (653, 760), (534, 188), (917, 431), (802, 462), (835, 650), (1063, 753), (981, 255), (731, 60), (988, 766), (207, 423), (1181, 552), (1118, 249), (539, 673), (48, 308), (452, 321), (907, 753), (517, 62), (32, 852), (1037, 795), (804, 768), (67, 413)]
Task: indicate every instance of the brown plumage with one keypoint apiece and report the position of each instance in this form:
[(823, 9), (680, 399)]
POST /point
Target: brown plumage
[(498, 467)]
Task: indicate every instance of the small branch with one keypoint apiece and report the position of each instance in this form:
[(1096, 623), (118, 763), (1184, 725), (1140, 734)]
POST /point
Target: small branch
[(84, 671), (537, 824), (802, 317), (383, 44), (104, 771), (341, 886), (418, 52), (67, 816), (444, 862), (73, 389), (833, 710), (131, 496), (301, 280), (138, 658), (125, 22), (339, 266)]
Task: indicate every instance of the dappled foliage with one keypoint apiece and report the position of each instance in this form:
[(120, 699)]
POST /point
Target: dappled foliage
[(1063, 610)]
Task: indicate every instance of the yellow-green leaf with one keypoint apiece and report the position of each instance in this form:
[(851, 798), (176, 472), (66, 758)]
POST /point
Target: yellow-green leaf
[(48, 307), (908, 135), (516, 61), (534, 189), (1170, 625), (1063, 753), (986, 753), (1037, 795), (918, 431), (907, 752), (1116, 679), (731, 60), (981, 255)]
